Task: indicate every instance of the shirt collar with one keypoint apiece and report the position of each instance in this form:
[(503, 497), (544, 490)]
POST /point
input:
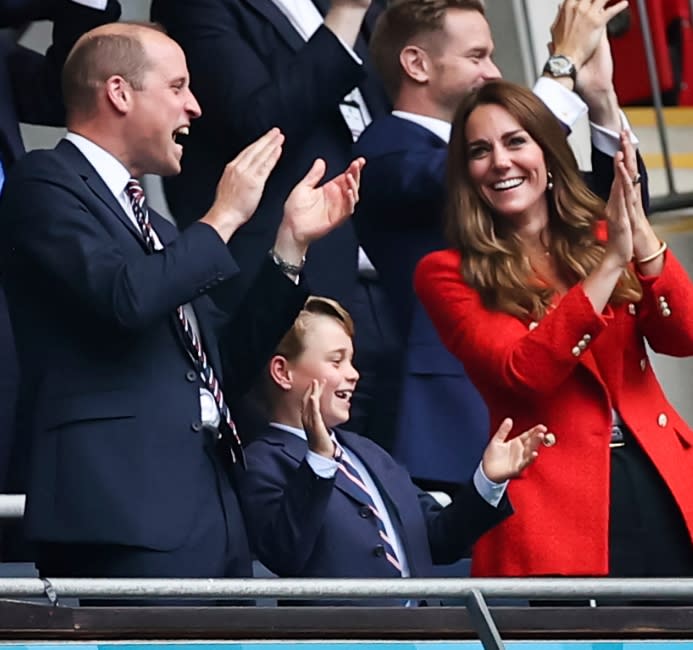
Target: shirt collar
[(107, 166), (441, 128)]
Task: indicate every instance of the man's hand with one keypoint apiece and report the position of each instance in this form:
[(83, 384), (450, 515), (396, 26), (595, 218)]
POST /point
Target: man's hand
[(579, 26), (595, 84), (504, 459), (319, 440), (311, 212), (241, 185)]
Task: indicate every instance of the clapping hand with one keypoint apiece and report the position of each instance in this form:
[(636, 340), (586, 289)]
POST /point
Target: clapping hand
[(504, 459), (241, 185), (319, 440)]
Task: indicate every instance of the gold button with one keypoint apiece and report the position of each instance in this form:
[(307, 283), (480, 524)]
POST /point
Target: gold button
[(533, 325), (549, 439), (631, 309), (643, 364), (666, 313), (582, 345), (576, 351), (587, 338), (662, 419)]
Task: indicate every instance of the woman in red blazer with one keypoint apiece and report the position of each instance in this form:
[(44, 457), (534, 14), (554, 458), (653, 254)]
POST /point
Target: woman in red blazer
[(548, 298)]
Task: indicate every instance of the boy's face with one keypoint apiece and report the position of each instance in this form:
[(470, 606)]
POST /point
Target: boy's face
[(327, 355)]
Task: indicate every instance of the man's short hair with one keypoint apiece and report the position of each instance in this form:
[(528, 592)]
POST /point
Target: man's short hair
[(100, 55), (403, 20)]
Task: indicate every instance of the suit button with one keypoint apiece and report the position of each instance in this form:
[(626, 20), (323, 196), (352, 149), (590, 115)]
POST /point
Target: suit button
[(643, 364), (379, 550), (576, 351), (196, 426), (191, 375), (662, 419), (365, 512)]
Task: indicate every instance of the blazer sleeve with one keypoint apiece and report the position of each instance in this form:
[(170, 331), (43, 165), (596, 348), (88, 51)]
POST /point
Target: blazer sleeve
[(258, 324), (452, 530), (75, 250), (284, 506), (35, 78), (665, 313), (244, 93), (497, 346)]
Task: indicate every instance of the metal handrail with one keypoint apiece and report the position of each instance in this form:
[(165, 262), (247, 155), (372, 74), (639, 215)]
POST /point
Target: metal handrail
[(352, 588)]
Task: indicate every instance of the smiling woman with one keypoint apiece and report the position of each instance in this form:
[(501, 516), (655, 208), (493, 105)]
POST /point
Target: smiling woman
[(547, 298)]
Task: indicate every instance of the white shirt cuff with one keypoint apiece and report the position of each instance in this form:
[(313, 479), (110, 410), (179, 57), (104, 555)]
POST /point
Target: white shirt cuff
[(94, 4), (563, 103), (607, 141), (489, 491), (321, 466)]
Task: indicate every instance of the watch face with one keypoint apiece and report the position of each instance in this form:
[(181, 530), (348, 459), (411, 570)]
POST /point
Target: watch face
[(560, 66)]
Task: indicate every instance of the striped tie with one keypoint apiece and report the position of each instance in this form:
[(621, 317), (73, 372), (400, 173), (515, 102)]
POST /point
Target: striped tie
[(350, 471), (139, 207)]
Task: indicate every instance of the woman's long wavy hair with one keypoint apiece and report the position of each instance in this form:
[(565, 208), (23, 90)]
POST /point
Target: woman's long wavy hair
[(493, 261)]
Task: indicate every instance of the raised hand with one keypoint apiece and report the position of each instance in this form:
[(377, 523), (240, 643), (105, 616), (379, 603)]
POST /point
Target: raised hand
[(319, 440), (504, 459), (619, 246), (311, 212), (241, 185), (579, 26)]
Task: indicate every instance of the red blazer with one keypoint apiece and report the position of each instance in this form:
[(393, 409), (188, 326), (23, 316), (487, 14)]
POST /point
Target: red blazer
[(537, 372)]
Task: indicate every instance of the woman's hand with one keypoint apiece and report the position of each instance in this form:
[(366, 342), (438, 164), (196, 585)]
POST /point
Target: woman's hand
[(619, 215)]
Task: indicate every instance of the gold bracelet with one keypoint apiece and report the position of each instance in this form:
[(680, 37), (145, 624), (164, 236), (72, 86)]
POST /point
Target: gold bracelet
[(660, 251)]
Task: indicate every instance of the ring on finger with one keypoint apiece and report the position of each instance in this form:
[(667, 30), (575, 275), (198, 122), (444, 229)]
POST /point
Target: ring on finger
[(637, 178)]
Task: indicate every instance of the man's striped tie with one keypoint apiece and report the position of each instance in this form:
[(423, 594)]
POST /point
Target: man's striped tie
[(350, 471), (139, 207)]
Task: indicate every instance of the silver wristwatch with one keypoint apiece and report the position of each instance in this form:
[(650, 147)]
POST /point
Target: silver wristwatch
[(560, 66)]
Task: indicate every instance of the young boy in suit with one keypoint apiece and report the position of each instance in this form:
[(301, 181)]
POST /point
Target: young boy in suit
[(320, 501)]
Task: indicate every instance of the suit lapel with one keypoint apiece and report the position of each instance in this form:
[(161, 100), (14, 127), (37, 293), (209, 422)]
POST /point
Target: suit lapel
[(279, 21), (95, 183), (379, 471)]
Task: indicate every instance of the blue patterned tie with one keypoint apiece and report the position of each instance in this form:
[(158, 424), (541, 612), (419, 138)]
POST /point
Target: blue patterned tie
[(348, 469), (139, 207)]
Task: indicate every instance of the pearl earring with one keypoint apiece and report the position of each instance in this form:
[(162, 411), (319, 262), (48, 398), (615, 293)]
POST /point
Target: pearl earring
[(549, 178)]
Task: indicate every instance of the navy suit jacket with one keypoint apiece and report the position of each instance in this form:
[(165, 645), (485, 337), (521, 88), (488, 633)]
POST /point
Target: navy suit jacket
[(30, 92), (443, 422), (251, 71), (303, 525), (112, 394)]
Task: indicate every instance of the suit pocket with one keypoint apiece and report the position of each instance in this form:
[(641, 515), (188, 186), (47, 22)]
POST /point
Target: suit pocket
[(68, 409)]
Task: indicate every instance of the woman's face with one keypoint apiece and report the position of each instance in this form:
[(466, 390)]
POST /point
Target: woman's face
[(506, 164)]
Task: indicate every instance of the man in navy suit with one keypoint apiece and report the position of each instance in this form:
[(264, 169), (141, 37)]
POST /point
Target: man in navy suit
[(302, 66), (126, 365), (30, 92), (324, 502), (430, 53)]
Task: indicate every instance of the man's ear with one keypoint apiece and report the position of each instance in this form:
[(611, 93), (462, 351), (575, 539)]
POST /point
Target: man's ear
[(416, 63), (280, 372), (119, 93)]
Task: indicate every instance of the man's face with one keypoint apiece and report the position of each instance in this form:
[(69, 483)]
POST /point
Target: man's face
[(162, 110), (461, 59)]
